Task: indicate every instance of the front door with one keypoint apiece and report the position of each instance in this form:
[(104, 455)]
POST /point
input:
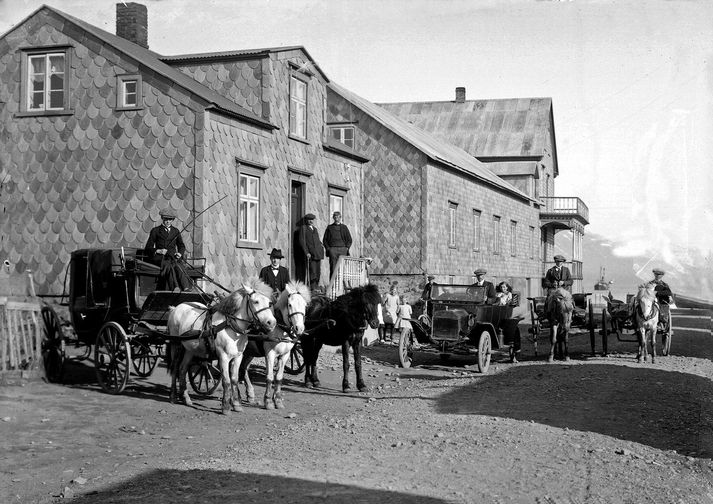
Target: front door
[(297, 206)]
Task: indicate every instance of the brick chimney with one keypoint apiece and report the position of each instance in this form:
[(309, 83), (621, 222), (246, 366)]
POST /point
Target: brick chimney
[(460, 95), (132, 23)]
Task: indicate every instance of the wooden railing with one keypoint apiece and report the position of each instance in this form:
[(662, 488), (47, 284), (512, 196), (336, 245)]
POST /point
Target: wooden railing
[(565, 206)]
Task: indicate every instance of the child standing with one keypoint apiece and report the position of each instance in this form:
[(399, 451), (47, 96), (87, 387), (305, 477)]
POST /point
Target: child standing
[(405, 312)]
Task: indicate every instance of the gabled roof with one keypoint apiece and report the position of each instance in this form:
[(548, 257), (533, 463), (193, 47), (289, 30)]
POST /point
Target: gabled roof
[(240, 54), (150, 60), (517, 127), (432, 147)]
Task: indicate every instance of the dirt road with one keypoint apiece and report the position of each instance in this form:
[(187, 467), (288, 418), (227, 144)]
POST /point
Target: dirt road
[(594, 430)]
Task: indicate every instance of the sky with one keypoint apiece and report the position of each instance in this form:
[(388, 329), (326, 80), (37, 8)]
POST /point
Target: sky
[(631, 83)]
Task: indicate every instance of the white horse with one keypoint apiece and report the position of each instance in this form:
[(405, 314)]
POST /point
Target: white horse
[(229, 321), (646, 319), (291, 305)]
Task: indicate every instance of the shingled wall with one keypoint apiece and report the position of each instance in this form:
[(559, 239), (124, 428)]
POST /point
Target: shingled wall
[(96, 177)]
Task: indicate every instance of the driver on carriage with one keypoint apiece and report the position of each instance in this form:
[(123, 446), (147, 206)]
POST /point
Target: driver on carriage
[(664, 296), (558, 276), (165, 248)]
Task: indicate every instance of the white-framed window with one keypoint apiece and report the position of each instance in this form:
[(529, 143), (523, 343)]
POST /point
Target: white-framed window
[(496, 234), (129, 91), (45, 86), (336, 204), (248, 208), (452, 214), (476, 229), (532, 242), (298, 107), (343, 134), (513, 238)]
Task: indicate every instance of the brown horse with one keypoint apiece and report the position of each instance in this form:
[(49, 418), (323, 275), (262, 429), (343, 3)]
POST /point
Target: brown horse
[(559, 307), (646, 319)]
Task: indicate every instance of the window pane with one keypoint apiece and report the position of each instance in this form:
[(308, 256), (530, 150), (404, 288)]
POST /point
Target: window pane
[(57, 63), (252, 187), (243, 220), (243, 185), (337, 134), (56, 99), (252, 226), (335, 204), (130, 93), (37, 64)]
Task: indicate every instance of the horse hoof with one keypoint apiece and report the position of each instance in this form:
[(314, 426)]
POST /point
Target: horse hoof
[(269, 405), (237, 409), (225, 411), (550, 359), (363, 388), (566, 359), (309, 385), (279, 405)]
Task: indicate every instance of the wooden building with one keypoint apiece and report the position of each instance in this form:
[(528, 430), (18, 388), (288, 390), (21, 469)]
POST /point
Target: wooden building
[(99, 134)]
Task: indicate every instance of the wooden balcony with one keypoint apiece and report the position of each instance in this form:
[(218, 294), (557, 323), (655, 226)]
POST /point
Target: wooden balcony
[(564, 212)]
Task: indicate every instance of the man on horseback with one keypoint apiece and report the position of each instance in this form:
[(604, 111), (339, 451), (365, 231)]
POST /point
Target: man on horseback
[(165, 248), (664, 297), (558, 276)]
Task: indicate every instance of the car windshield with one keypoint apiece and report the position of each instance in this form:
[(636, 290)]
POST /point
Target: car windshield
[(458, 293)]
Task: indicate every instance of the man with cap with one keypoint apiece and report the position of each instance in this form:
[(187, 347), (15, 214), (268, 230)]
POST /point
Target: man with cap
[(483, 290), (165, 248), (337, 240), (309, 252), (426, 294), (558, 276), (664, 296), (275, 275)]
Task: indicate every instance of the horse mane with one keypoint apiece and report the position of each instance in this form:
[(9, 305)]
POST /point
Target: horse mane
[(230, 304), (350, 307), (293, 286), (560, 298)]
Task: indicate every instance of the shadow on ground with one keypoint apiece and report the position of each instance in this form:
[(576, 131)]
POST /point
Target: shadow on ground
[(209, 486), (663, 409)]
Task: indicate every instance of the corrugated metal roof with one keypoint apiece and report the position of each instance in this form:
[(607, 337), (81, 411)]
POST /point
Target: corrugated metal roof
[(489, 128), (151, 60), (427, 143)]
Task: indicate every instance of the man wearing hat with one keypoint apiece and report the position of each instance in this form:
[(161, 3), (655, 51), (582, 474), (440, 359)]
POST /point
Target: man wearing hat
[(165, 248), (275, 275), (483, 290), (309, 252), (664, 296), (426, 294), (337, 240), (558, 276)]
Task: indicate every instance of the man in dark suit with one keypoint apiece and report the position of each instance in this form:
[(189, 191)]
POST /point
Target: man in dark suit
[(558, 276), (337, 241), (664, 296), (275, 275), (483, 290), (310, 250), (165, 248)]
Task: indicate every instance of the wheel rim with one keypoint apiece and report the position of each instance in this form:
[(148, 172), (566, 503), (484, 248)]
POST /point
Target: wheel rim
[(143, 358), (52, 328), (111, 358), (296, 362), (52, 350), (484, 352), (203, 378)]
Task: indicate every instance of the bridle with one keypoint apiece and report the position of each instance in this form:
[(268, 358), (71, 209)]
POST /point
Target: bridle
[(252, 312), (654, 310), (291, 314)]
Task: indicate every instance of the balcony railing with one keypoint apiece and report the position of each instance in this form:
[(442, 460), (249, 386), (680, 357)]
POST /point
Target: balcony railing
[(565, 207)]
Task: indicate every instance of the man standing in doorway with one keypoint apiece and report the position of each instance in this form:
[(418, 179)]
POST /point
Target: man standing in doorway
[(311, 250), (558, 276), (275, 275), (337, 241)]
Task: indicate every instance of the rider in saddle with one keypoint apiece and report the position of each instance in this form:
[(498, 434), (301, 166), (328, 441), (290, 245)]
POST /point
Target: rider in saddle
[(664, 297)]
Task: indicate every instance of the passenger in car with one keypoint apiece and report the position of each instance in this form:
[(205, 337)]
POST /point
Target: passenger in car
[(503, 295)]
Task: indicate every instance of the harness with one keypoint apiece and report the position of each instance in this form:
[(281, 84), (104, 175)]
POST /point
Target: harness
[(654, 311)]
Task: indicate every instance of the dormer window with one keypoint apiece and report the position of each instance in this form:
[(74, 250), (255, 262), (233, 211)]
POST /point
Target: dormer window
[(45, 82), (343, 134), (128, 92), (298, 108)]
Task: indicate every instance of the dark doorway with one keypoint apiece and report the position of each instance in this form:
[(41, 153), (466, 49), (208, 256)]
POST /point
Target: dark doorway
[(297, 208)]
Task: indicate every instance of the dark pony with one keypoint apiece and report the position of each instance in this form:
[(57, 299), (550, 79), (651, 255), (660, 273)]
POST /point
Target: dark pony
[(339, 322), (559, 307)]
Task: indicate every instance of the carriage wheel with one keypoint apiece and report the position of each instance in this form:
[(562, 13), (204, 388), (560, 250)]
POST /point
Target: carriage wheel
[(592, 327), (296, 363), (484, 352), (112, 356), (405, 350), (605, 333), (204, 377), (52, 345), (143, 357)]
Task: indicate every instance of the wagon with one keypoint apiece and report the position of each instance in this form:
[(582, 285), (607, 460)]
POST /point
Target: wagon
[(458, 321), (617, 317), (118, 317), (582, 318)]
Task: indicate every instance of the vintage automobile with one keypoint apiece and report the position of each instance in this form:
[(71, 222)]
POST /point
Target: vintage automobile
[(459, 320)]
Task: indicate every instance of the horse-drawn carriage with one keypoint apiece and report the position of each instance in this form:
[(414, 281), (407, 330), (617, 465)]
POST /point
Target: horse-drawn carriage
[(116, 311), (458, 321), (618, 317)]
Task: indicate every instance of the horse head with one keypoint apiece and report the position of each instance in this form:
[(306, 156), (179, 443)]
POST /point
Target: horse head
[(645, 300), (257, 299), (292, 303), (371, 300), (560, 306)]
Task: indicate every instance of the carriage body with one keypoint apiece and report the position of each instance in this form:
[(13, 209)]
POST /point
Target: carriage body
[(618, 318), (461, 322), (116, 311)]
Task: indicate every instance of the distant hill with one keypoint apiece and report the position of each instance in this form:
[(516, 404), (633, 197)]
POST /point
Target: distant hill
[(691, 276)]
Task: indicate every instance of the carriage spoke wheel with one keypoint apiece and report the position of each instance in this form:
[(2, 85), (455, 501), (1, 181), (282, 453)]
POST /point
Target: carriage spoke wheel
[(296, 363), (52, 345), (605, 332), (143, 357), (204, 377), (112, 358), (405, 350), (592, 327), (484, 350)]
